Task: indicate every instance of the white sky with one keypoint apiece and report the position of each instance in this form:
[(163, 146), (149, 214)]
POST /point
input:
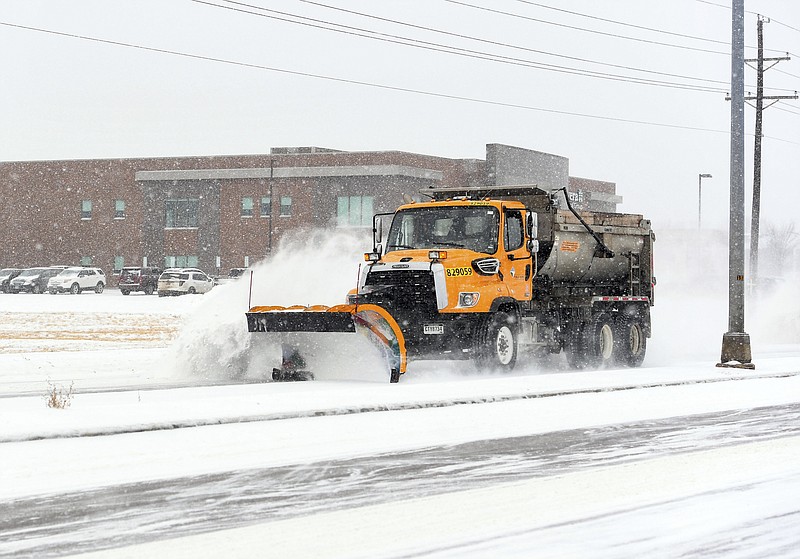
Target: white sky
[(66, 98)]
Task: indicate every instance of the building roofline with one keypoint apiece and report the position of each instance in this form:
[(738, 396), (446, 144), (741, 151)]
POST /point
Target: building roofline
[(290, 172), (266, 155)]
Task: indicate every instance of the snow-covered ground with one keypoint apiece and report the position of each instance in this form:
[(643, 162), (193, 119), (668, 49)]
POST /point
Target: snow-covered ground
[(678, 458)]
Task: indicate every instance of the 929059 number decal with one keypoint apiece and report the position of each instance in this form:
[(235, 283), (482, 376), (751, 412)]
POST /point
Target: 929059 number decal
[(458, 272)]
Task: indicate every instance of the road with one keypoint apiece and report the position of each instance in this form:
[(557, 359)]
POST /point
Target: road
[(56, 525)]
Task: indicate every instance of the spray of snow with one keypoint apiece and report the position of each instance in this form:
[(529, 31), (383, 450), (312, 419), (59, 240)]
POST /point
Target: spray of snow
[(691, 310), (315, 267)]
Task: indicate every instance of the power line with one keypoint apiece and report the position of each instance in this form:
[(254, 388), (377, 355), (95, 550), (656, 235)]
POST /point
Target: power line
[(623, 23), (481, 55), (497, 43), (353, 82), (784, 25), (785, 110), (365, 33), (772, 19), (614, 35), (594, 31), (385, 87)]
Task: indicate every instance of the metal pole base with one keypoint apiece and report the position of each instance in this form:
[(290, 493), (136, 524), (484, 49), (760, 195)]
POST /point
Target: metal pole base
[(736, 351)]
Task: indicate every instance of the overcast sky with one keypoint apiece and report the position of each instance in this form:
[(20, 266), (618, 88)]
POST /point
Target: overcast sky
[(279, 80)]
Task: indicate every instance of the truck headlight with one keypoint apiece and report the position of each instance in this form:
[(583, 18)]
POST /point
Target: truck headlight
[(468, 299)]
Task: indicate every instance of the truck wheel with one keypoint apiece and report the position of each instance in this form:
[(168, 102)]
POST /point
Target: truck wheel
[(75, 289), (630, 341), (592, 345), (148, 290), (497, 343)]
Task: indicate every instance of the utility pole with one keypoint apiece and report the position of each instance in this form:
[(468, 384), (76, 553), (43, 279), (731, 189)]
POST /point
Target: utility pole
[(759, 98), (735, 342)]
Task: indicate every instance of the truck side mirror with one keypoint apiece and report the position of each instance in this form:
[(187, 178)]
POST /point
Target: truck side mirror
[(377, 233), (532, 225), (533, 246)]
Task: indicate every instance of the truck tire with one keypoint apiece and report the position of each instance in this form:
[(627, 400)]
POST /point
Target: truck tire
[(630, 341), (497, 343), (592, 346), (148, 290)]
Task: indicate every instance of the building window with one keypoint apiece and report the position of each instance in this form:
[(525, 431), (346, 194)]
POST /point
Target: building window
[(247, 207), (265, 209), (119, 209), (354, 211), (86, 209), (86, 260), (119, 263), (180, 261), (182, 213), (286, 205)]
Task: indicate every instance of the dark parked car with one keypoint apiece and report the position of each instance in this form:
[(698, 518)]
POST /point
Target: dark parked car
[(139, 278), (33, 280), (6, 275)]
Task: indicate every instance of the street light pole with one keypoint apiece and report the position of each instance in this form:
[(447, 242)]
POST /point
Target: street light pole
[(700, 178)]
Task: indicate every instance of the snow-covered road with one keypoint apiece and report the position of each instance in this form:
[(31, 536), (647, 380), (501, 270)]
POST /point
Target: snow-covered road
[(130, 513)]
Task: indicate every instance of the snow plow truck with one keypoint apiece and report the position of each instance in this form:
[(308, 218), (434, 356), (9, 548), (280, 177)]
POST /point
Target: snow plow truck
[(493, 274)]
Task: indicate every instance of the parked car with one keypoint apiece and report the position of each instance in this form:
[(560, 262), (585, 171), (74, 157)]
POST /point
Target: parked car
[(178, 281), (6, 275), (32, 280), (233, 275), (77, 279), (139, 278)]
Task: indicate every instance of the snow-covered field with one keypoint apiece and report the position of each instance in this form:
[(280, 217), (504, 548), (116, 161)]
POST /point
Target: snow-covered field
[(174, 445)]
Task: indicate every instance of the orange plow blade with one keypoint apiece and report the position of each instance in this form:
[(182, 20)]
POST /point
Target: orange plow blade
[(302, 331)]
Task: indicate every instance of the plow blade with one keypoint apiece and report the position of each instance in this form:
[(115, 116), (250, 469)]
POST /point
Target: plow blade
[(301, 334)]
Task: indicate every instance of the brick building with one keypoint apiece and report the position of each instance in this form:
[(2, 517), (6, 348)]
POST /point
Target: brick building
[(228, 211)]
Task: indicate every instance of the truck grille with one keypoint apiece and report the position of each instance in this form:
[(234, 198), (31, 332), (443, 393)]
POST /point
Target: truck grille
[(408, 287)]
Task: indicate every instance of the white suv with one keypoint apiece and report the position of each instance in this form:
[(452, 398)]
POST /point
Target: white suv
[(77, 279), (177, 281)]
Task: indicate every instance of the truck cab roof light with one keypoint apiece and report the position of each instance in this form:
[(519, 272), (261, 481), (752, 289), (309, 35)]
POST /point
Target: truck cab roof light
[(437, 254)]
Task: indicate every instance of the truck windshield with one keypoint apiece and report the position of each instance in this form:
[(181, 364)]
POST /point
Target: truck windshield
[(470, 227)]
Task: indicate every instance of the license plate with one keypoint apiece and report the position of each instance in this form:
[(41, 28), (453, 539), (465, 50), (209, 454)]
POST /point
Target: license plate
[(433, 329)]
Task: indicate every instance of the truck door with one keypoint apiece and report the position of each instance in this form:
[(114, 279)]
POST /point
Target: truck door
[(516, 264)]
